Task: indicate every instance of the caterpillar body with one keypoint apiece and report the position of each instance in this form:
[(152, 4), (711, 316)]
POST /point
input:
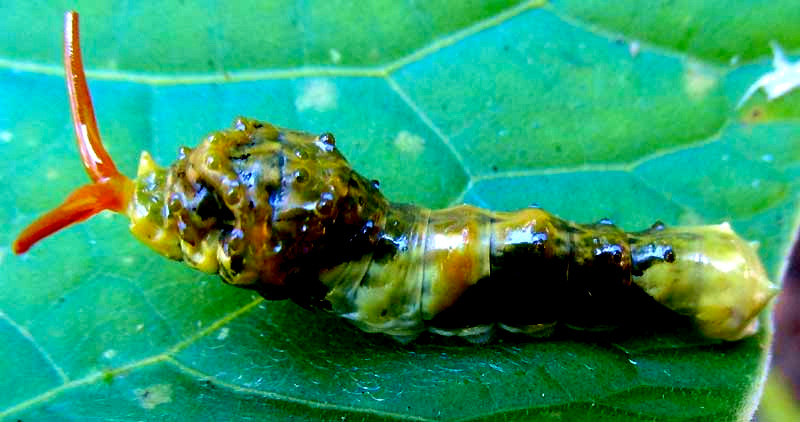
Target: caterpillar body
[(281, 212)]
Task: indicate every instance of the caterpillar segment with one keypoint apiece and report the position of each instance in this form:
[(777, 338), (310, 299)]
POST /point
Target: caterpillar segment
[(281, 212)]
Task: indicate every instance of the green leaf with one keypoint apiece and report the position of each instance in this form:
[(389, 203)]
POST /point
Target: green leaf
[(589, 109)]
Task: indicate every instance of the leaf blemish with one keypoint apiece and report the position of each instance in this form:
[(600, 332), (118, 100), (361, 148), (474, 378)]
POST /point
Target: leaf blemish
[(409, 143), (154, 395), (223, 333), (699, 80), (755, 114), (634, 48), (5, 136), (317, 95), (335, 56)]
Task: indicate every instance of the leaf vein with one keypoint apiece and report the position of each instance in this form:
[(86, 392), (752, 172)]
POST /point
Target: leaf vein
[(394, 86), (287, 398), (29, 337)]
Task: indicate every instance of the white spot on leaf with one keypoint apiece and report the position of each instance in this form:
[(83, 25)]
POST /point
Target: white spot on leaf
[(699, 80), (109, 354), (5, 136), (634, 48), (784, 78), (317, 95), (409, 143), (335, 56), (223, 333), (154, 395)]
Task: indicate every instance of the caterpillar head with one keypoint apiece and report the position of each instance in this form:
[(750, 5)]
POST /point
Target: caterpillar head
[(256, 203)]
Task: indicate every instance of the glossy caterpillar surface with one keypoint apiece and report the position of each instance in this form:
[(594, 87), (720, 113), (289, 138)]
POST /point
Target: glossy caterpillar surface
[(282, 213)]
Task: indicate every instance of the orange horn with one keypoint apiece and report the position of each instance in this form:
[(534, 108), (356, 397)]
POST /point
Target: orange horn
[(111, 189)]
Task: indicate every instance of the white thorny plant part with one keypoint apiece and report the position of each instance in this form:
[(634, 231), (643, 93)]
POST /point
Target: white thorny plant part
[(784, 78)]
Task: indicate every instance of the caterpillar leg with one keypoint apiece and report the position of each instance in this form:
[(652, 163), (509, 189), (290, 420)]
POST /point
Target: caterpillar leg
[(533, 330), (477, 334)]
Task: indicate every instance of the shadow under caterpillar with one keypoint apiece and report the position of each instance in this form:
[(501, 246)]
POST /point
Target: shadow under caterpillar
[(282, 213)]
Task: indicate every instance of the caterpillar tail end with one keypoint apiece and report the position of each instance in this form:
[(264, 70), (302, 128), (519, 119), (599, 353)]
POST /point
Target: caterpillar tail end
[(110, 190), (84, 202), (716, 279)]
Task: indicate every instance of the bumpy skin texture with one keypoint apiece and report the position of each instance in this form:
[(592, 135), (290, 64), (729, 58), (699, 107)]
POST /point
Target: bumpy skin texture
[(281, 212)]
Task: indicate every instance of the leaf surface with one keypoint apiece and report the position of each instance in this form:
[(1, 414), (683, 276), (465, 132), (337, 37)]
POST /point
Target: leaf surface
[(590, 111)]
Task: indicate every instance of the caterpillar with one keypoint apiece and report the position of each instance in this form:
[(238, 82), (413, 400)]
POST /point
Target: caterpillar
[(281, 212)]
